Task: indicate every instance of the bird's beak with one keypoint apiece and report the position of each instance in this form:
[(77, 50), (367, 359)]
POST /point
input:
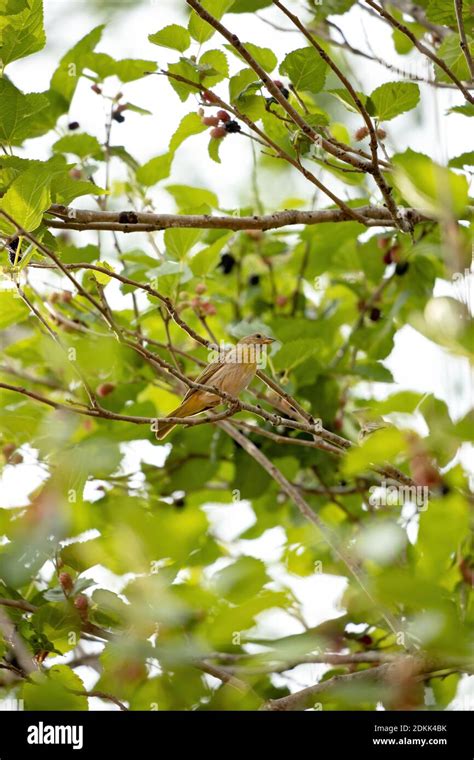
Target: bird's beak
[(267, 341)]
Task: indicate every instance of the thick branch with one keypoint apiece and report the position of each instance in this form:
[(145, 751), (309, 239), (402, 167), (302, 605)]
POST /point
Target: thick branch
[(77, 219)]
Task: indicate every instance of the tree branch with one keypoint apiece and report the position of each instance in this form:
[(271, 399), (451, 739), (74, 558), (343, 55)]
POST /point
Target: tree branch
[(385, 189), (78, 219), (422, 48), (464, 45)]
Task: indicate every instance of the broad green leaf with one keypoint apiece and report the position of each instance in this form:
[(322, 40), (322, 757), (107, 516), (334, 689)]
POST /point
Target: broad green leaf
[(205, 261), (346, 99), (241, 580), (190, 124), (263, 55), (155, 169), (218, 67), (382, 445), (188, 197), (27, 198), (82, 145), (12, 309), (10, 7), (64, 189), (200, 30), (465, 159), (450, 52), (16, 110), (241, 82), (131, 69), (179, 241), (444, 14), (305, 69), (54, 690), (22, 34), (173, 36), (65, 78), (213, 149), (393, 98), (245, 6), (426, 184)]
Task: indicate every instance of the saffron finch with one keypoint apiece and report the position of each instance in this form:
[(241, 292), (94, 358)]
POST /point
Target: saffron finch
[(231, 373)]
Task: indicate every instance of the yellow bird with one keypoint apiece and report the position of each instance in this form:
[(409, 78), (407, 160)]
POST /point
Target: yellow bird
[(231, 373)]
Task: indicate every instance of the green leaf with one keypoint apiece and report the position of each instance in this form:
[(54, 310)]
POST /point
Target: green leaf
[(179, 241), (82, 145), (345, 98), (27, 198), (64, 189), (393, 98), (444, 14), (244, 6), (131, 69), (465, 159), (305, 69), (241, 82), (16, 109), (10, 7), (190, 124), (264, 56), (241, 580), (159, 167), (65, 78), (22, 34), (200, 30), (218, 67), (450, 52), (173, 36), (294, 352), (53, 690), (426, 184), (466, 110), (155, 169), (213, 149), (383, 445), (12, 309), (188, 197), (206, 260)]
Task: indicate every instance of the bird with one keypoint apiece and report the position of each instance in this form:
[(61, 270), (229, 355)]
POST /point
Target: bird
[(231, 373)]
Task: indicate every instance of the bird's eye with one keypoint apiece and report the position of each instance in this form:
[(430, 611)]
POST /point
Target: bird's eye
[(258, 335)]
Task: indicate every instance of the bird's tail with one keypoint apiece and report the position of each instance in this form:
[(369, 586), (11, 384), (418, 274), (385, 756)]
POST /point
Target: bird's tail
[(185, 409)]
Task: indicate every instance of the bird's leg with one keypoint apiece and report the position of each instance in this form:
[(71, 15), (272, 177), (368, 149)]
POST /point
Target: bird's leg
[(233, 406)]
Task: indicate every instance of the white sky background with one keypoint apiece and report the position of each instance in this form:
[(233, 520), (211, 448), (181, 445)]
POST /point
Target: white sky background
[(415, 362)]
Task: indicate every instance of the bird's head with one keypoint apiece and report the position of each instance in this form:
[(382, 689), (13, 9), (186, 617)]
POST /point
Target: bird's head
[(256, 339)]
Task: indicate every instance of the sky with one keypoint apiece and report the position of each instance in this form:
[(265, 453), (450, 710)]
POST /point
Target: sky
[(416, 363)]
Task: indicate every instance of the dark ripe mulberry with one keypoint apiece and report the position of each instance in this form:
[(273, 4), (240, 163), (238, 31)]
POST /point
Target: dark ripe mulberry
[(254, 279), (401, 268), (73, 125), (12, 248), (227, 263), (232, 126), (375, 314), (117, 116), (284, 90)]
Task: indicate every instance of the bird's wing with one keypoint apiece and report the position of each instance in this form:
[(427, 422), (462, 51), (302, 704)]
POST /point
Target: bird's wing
[(205, 377)]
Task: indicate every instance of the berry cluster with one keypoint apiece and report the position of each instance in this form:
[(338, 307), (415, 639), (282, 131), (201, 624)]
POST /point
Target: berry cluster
[(392, 255), (363, 132), (221, 124)]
